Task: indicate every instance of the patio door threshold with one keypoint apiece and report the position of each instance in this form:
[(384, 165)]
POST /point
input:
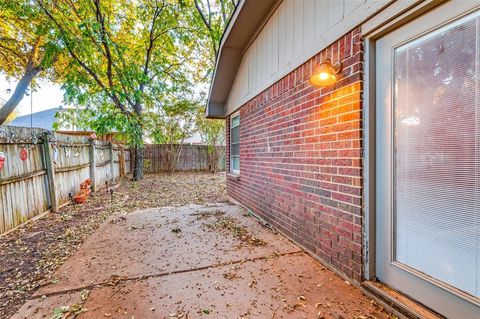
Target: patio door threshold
[(400, 303)]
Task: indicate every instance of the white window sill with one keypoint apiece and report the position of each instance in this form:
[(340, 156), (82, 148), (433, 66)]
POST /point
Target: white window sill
[(233, 176)]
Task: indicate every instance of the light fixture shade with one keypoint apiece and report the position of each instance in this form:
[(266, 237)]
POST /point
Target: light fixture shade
[(325, 74)]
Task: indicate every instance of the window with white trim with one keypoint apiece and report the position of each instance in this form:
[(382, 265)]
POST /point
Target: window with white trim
[(235, 144)]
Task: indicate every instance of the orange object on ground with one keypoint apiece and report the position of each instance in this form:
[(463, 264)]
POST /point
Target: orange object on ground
[(82, 195), (79, 198)]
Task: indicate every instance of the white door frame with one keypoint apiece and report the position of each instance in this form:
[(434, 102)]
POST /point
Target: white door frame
[(372, 32)]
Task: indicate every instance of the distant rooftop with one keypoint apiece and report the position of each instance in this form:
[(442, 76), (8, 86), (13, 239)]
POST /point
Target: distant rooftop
[(194, 139), (43, 119)]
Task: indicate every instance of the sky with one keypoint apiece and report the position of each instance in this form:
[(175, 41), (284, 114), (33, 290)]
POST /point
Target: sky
[(48, 95)]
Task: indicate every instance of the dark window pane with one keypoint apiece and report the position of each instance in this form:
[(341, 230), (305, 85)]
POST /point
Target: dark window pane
[(235, 135), (235, 149)]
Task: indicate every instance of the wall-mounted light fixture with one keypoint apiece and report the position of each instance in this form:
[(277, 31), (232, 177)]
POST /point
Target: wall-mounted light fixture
[(326, 74)]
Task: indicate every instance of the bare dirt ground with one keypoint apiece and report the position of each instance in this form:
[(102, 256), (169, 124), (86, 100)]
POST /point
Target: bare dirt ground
[(33, 252)]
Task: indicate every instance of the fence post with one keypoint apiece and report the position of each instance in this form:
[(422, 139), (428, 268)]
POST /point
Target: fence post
[(112, 163), (93, 166), (121, 161), (52, 185)]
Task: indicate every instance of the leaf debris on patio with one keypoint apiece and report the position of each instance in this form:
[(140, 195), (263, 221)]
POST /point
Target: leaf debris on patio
[(30, 254), (228, 224)]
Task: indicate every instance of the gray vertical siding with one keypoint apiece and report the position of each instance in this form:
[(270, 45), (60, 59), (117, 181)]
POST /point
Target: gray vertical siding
[(296, 31)]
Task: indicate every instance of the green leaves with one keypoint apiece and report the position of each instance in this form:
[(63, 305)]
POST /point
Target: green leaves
[(212, 131), (213, 134), (173, 122), (50, 55), (124, 56), (212, 18), (73, 310), (58, 313), (26, 39), (134, 66), (129, 52)]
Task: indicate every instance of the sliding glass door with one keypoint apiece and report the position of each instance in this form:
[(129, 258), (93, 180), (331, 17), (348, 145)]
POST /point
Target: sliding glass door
[(428, 164)]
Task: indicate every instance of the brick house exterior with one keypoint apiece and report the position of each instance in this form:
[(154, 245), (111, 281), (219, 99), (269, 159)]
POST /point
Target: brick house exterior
[(376, 175), (301, 158)]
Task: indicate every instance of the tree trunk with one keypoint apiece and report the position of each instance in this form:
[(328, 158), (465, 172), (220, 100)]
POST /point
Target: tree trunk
[(214, 154), (178, 150), (31, 71), (138, 164), (17, 95), (213, 161)]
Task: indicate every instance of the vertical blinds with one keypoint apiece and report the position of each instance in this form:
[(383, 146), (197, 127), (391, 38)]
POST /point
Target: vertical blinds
[(437, 164)]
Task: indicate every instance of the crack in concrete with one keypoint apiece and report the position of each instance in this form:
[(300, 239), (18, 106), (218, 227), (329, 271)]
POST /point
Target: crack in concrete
[(143, 277)]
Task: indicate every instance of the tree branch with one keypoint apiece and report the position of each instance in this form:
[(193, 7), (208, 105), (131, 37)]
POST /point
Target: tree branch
[(103, 38), (33, 56), (208, 24), (152, 38), (18, 55), (205, 21), (95, 77)]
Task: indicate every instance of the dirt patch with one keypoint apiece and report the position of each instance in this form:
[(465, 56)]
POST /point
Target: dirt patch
[(30, 254)]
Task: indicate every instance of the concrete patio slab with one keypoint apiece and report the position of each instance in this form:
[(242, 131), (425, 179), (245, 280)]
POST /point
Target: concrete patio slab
[(42, 308), (289, 286), (143, 244), (211, 261)]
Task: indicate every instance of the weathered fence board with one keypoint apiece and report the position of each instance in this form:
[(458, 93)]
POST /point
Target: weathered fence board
[(24, 191), (25, 196), (102, 162), (128, 161), (24, 184), (191, 158)]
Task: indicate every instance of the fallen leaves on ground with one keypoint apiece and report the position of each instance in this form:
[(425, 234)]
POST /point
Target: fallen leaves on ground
[(205, 215), (30, 254), (64, 312), (230, 275), (179, 314), (231, 225)]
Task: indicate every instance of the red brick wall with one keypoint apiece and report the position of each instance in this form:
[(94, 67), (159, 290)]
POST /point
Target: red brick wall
[(301, 158)]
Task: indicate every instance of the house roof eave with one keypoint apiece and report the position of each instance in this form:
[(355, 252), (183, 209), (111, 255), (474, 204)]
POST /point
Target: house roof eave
[(243, 25)]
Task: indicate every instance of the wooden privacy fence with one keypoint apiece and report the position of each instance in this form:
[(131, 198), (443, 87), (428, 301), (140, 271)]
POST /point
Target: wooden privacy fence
[(41, 169), (191, 158)]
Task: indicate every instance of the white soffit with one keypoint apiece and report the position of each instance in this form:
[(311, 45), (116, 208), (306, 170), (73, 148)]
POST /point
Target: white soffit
[(244, 23)]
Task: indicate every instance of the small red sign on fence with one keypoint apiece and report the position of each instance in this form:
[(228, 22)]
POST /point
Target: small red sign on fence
[(23, 154), (2, 160)]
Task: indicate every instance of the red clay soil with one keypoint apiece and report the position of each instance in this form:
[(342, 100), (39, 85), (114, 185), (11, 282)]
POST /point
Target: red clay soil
[(196, 261)]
